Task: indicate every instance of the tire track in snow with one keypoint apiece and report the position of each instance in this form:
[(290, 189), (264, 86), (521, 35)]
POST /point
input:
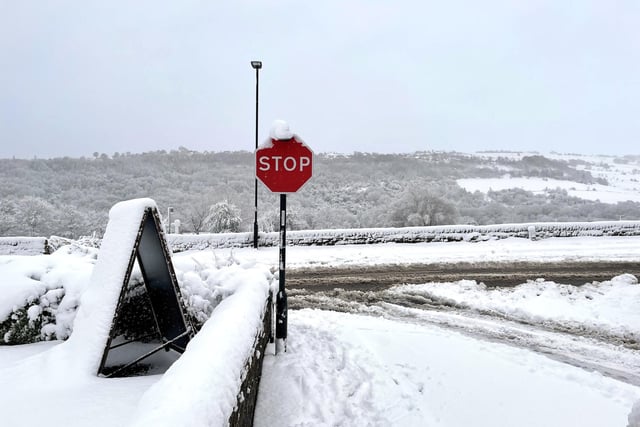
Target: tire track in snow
[(588, 351), (379, 277)]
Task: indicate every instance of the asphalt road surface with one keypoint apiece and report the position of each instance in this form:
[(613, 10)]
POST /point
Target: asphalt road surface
[(374, 278)]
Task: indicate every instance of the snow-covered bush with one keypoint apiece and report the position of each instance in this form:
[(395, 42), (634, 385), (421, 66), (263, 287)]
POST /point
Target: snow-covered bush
[(36, 321), (42, 293), (223, 217)]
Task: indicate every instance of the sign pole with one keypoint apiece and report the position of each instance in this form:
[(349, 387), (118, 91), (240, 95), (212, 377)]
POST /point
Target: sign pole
[(284, 164), (281, 299)]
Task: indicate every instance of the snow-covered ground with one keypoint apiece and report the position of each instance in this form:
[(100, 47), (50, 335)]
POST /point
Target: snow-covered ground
[(345, 369), (622, 174), (593, 192), (349, 368), (507, 250)]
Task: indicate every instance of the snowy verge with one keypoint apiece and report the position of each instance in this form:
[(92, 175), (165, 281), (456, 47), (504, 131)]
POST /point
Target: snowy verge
[(202, 387)]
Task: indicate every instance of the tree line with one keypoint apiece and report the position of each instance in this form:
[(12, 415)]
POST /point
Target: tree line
[(214, 191)]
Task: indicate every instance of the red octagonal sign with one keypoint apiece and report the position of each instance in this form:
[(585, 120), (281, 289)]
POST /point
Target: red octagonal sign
[(284, 166)]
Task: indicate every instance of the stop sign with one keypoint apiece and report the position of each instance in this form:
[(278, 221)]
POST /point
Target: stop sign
[(284, 166)]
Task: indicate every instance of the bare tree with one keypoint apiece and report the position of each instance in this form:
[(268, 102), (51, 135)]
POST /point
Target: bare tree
[(196, 217), (420, 207)]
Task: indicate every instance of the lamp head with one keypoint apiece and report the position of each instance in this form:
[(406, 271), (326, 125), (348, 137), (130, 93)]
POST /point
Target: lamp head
[(256, 64)]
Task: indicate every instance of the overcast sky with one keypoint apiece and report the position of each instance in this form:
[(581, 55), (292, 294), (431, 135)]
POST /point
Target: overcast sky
[(84, 76)]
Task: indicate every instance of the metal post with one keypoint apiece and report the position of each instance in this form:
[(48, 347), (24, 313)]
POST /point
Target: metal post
[(257, 65), (281, 299), (169, 210)]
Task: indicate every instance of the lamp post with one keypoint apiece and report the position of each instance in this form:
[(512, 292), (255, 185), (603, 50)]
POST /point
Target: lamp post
[(169, 211), (256, 65)]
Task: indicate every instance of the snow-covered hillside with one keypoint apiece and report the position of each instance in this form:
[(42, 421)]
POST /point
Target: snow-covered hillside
[(621, 173), (593, 192)]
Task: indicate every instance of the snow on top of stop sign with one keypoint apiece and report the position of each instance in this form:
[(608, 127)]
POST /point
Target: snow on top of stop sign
[(280, 130)]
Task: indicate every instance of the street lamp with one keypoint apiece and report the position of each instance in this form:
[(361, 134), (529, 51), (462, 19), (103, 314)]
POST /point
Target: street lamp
[(169, 211), (256, 65)]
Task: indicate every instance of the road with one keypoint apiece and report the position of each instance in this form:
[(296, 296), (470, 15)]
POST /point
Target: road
[(366, 290), (375, 278)]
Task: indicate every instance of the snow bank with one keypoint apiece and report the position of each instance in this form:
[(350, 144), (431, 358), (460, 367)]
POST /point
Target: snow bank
[(201, 388), (607, 308), (445, 233)]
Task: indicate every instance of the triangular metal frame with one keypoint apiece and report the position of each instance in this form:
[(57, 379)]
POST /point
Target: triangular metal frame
[(154, 258)]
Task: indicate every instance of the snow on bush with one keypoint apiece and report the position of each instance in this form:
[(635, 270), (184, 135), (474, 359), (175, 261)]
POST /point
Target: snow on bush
[(40, 294), (207, 278)]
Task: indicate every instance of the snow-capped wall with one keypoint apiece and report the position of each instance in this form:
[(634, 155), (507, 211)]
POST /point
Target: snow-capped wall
[(353, 236), (24, 246), (445, 233)]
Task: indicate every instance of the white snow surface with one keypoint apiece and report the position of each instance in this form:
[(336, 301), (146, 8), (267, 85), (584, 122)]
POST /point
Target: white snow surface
[(339, 369), (506, 250), (608, 307), (345, 369)]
